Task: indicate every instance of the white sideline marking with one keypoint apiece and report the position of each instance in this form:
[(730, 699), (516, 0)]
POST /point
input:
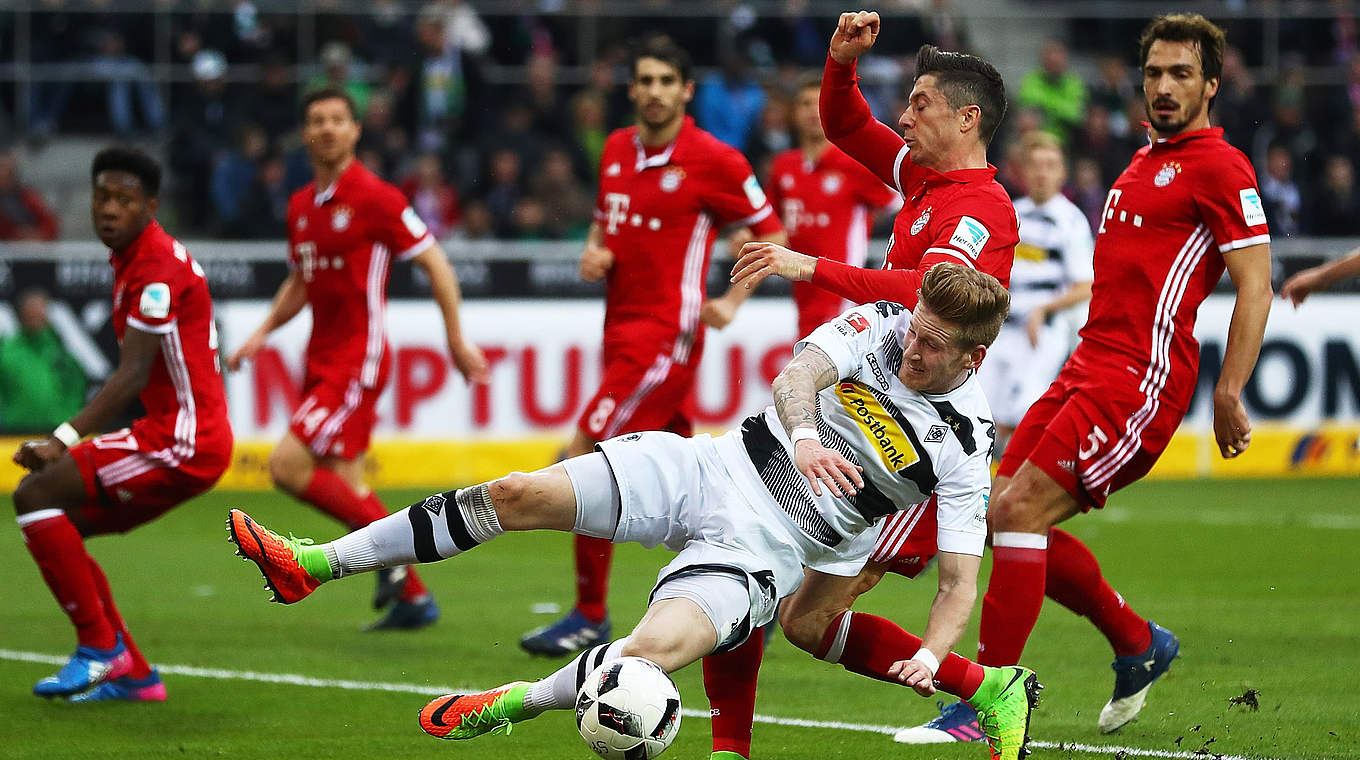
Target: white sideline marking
[(1230, 518), (295, 679)]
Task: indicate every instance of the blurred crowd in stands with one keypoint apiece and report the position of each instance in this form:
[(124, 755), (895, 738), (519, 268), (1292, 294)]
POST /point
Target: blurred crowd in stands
[(482, 159)]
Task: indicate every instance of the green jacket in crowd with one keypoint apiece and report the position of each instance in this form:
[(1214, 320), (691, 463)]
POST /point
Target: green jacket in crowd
[(41, 385)]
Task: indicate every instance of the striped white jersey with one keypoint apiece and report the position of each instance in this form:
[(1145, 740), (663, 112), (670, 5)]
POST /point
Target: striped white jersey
[(1054, 252)]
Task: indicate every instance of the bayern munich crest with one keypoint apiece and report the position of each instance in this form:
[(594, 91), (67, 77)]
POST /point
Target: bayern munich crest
[(670, 180), (831, 184), (921, 222), (340, 219), (1167, 173)]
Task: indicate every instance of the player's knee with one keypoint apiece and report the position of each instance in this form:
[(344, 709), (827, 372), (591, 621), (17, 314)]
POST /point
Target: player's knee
[(27, 496), (1016, 510), (287, 472), (803, 627), (510, 495), (661, 649)]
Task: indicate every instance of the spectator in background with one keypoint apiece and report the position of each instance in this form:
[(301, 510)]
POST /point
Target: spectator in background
[(1335, 211), (23, 213), (1346, 140), (1057, 92), (503, 190), (126, 75), (272, 101), (383, 142), (1089, 189), (728, 104), (41, 385), (387, 32), (1237, 107), (567, 206), (773, 136), (589, 127), (432, 196), (543, 98), (233, 180), (339, 71), (1287, 126), (264, 210), (604, 82), (529, 220), (1114, 89), (441, 88), (202, 130), (1279, 193), (1096, 140), (477, 222)]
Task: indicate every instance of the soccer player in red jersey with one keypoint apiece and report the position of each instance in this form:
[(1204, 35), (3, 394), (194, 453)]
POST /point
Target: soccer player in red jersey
[(162, 315), (666, 188), (344, 231), (955, 211), (1186, 208), (827, 201)]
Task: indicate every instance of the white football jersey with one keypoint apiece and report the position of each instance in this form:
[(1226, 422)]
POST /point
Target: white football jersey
[(1055, 251), (910, 444)]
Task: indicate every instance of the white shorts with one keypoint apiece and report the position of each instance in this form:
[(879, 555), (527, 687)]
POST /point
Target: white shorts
[(1015, 374)]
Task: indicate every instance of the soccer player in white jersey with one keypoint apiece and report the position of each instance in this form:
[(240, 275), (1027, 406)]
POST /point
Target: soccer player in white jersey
[(1051, 274), (878, 411)]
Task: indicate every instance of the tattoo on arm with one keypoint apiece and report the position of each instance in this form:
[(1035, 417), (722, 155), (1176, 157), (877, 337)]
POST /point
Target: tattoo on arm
[(795, 390)]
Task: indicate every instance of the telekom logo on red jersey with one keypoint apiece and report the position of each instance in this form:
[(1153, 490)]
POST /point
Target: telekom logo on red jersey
[(616, 210)]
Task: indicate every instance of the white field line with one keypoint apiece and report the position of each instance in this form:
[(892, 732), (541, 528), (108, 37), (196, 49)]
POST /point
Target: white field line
[(294, 679), (1230, 518)]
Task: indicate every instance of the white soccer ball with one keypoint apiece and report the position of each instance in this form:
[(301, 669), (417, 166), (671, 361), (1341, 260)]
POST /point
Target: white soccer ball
[(628, 709)]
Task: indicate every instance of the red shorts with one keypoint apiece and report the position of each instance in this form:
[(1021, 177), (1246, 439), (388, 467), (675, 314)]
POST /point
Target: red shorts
[(816, 307), (642, 389), (336, 416), (906, 544), (1093, 435), (128, 483)]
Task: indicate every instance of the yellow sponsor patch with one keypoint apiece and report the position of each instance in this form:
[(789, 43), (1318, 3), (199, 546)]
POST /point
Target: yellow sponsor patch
[(1030, 252), (894, 446)]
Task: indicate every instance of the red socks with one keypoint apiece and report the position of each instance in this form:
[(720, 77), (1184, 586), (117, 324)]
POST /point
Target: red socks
[(593, 556), (58, 549), (140, 667), (869, 645), (332, 494), (1075, 582), (1015, 594), (730, 682)]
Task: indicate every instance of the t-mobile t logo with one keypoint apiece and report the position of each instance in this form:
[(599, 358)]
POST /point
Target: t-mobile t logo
[(616, 210)]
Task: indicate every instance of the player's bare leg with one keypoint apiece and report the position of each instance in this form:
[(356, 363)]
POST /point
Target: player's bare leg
[(336, 486), (587, 622), (47, 505)]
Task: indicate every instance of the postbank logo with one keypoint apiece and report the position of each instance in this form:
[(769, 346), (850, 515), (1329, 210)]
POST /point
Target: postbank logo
[(894, 445)]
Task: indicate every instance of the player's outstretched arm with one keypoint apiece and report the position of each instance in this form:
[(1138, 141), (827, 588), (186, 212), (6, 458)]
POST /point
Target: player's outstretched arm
[(288, 301), (137, 354), (467, 357), (719, 312), (1249, 269), (795, 393), (1303, 284), (949, 614)]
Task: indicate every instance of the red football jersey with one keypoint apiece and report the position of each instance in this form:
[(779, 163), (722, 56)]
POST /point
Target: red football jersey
[(659, 215), (962, 216), (158, 288), (1182, 203), (343, 240), (826, 205)]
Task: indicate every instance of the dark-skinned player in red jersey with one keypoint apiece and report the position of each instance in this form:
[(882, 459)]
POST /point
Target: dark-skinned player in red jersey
[(1186, 208), (167, 358), (954, 211)]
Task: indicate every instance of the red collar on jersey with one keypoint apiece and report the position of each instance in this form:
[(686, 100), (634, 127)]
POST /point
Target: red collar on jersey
[(1183, 136), (150, 231), (958, 175)]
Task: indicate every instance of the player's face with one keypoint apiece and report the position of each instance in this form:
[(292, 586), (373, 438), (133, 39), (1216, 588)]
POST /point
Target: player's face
[(1043, 173), (329, 131), (119, 208), (929, 125), (807, 117), (1175, 89), (932, 361), (659, 93)]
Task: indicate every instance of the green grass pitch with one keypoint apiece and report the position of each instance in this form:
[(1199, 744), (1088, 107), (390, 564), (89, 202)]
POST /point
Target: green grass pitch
[(1258, 578)]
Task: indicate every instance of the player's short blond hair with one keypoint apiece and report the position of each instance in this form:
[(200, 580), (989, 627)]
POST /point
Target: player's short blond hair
[(974, 301), (1038, 139)]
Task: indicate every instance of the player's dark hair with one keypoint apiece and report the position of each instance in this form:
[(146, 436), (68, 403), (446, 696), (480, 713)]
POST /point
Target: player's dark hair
[(663, 49), (123, 158), (809, 82), (974, 301), (329, 93), (1187, 27), (966, 80)]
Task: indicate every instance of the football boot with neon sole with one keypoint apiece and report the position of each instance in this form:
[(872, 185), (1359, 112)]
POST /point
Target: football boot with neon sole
[(87, 668), (1134, 675), (572, 633), (1005, 718), (278, 558), (464, 716), (126, 689), (957, 722)]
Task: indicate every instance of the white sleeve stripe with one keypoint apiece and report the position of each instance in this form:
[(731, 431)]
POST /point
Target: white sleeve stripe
[(955, 254), (758, 216), (155, 329), (1244, 243), (897, 168), (417, 249)]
